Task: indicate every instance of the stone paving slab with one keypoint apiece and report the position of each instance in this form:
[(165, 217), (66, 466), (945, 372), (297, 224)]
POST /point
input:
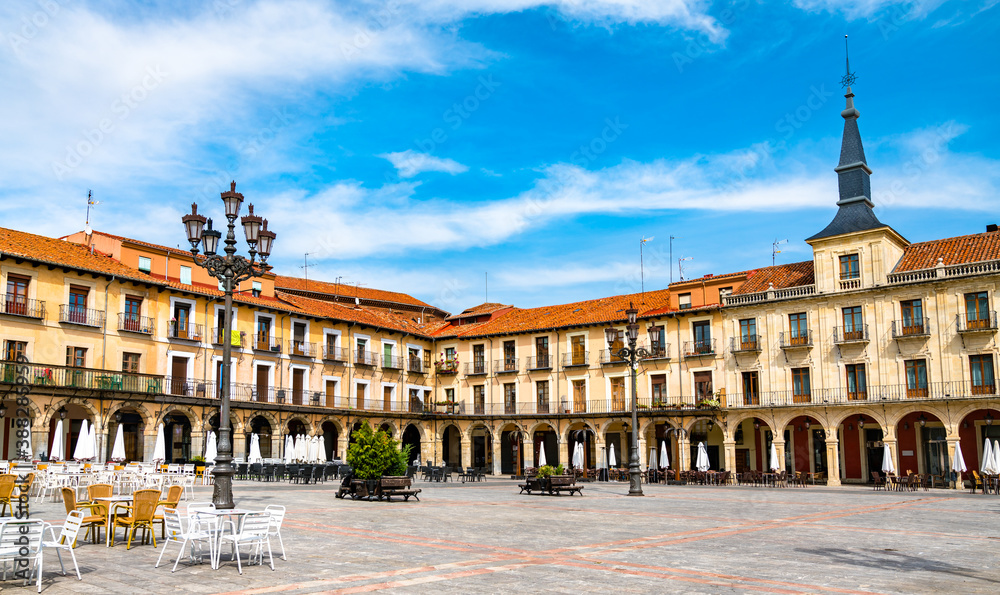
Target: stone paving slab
[(485, 537)]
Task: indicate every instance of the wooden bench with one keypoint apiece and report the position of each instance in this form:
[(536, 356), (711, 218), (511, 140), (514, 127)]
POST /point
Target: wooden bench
[(530, 483), (400, 485), (564, 483)]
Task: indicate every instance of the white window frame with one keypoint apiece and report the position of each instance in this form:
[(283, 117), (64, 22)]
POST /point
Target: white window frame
[(180, 276), (365, 392), (394, 399), (336, 389), (91, 291), (306, 391)]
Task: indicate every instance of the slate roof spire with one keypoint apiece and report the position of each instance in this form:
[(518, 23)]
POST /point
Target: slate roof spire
[(853, 181)]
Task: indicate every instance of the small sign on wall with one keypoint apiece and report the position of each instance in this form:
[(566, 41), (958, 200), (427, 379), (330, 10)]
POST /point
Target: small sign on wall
[(907, 453)]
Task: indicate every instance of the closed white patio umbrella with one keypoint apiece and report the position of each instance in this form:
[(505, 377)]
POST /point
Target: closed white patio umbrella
[(118, 451), (80, 453), (887, 464), (302, 448), (986, 466), (289, 449), (160, 447), (314, 449), (652, 457), (996, 457), (958, 461), (664, 459), (56, 453), (612, 461), (93, 441), (541, 455), (255, 450), (775, 463), (211, 447), (702, 463)]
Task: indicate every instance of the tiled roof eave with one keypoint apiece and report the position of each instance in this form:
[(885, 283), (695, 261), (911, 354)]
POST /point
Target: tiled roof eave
[(63, 265)]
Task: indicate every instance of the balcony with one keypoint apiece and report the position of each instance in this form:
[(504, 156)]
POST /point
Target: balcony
[(984, 322), (658, 352), (81, 316), (17, 305), (609, 357), (507, 365), (302, 348), (848, 284), (476, 368), (365, 358), (415, 366), (847, 335), (267, 343), (748, 344), (703, 348), (334, 354), (131, 323), (446, 367), (918, 328), (80, 378), (800, 340), (186, 332), (236, 338), (541, 362), (392, 362), (579, 359)]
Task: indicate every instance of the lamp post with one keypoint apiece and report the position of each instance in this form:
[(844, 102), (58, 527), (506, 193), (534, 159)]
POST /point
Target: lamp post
[(230, 270), (632, 355)]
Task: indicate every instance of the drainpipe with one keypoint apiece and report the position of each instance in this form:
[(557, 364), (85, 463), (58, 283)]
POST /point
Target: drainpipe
[(104, 338)]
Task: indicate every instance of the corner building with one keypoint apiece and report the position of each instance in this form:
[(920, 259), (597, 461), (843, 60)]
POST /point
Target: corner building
[(875, 341)]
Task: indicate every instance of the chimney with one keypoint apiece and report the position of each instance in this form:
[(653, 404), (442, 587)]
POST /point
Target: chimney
[(991, 227)]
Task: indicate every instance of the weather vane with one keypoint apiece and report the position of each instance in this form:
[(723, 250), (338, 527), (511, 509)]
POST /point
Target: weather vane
[(849, 78)]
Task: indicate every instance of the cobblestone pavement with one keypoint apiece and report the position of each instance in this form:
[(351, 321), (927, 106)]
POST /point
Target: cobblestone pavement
[(484, 537)]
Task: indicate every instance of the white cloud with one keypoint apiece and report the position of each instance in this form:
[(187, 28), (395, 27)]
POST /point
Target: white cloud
[(852, 9), (410, 163)]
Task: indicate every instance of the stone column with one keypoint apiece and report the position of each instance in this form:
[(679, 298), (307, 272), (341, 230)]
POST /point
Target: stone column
[(832, 457), (466, 451), (894, 449), (342, 442), (239, 447), (39, 439), (729, 456), (564, 453), (779, 445), (149, 443), (198, 444), (643, 453), (959, 483), (683, 454), (496, 444), (527, 454)]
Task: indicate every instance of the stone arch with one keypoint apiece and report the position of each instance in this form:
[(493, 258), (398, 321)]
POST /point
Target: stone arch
[(467, 435), (47, 416), (507, 426), (540, 426), (393, 427), (146, 415), (184, 410), (439, 435), (236, 424), (840, 418), (648, 424), (334, 420), (268, 415), (968, 409), (566, 434), (297, 417), (690, 422), (419, 427), (934, 409)]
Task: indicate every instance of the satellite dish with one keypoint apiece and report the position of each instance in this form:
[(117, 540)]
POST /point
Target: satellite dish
[(87, 230)]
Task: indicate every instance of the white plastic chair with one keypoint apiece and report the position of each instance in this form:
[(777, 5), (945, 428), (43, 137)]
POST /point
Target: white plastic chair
[(66, 539), (253, 531), (194, 535), (18, 535), (274, 530)]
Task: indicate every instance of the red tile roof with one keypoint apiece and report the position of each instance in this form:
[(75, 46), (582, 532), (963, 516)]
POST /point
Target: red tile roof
[(339, 289), (780, 276), (59, 252), (957, 250), (481, 309), (367, 316)]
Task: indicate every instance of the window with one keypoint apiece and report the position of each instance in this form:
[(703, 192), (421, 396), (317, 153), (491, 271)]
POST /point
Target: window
[(579, 396), (76, 357), (509, 359), (542, 352), (256, 289), (17, 295), (299, 346), (857, 385), (659, 390), (145, 264), (702, 336), (618, 394), (977, 307), (264, 333), (416, 405), (751, 388), (684, 301), (658, 345), (702, 386), (849, 267), (479, 359), (854, 328), (13, 350), (800, 385), (616, 346), (427, 359), (133, 310), (77, 308), (798, 325), (916, 378), (387, 359), (449, 354), (913, 317), (748, 333), (414, 359), (578, 347), (362, 349), (542, 396), (130, 363), (181, 322), (479, 399), (509, 398), (185, 275), (449, 394), (981, 368)]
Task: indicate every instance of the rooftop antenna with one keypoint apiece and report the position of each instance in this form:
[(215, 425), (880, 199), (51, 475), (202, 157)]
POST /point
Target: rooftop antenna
[(774, 248), (849, 77), (642, 274), (672, 238), (336, 290), (305, 267), (87, 230), (680, 266)]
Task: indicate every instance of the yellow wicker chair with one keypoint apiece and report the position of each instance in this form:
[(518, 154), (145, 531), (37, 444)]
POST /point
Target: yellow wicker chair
[(100, 490), (140, 516), (6, 491), (95, 516)]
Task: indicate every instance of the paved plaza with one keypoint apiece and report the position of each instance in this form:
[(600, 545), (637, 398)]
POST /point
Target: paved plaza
[(484, 537)]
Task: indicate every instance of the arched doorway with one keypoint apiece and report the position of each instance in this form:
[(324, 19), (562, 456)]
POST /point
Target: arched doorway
[(451, 447), (808, 446), (132, 428), (482, 449), (923, 446), (707, 431), (511, 457), (862, 448), (592, 451), (411, 436), (973, 431), (546, 440), (72, 416), (177, 438), (260, 426), (330, 436), (8, 429)]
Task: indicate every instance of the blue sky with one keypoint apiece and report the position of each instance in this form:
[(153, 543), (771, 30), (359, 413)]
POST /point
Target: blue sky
[(416, 145)]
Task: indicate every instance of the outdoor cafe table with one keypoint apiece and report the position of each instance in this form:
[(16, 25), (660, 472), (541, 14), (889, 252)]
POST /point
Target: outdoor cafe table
[(110, 502), (237, 513)]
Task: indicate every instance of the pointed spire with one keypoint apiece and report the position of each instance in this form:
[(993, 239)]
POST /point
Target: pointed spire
[(853, 181)]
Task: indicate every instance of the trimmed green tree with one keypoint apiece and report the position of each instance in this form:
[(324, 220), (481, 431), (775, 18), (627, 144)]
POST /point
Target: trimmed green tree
[(374, 454)]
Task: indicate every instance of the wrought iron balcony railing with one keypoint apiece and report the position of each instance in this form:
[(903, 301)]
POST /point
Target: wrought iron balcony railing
[(186, 331), (984, 322), (334, 354), (507, 365), (236, 338), (131, 323), (477, 367), (17, 305), (576, 359), (365, 358), (82, 316), (748, 344), (302, 348), (853, 334), (610, 358), (917, 327), (540, 362), (267, 343), (700, 348), (392, 362), (799, 340)]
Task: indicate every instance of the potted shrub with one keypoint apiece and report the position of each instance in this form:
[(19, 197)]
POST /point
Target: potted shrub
[(199, 465), (545, 472), (374, 454)]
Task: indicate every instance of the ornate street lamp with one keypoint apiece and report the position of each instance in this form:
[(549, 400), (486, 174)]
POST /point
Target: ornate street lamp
[(632, 355), (230, 270)]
